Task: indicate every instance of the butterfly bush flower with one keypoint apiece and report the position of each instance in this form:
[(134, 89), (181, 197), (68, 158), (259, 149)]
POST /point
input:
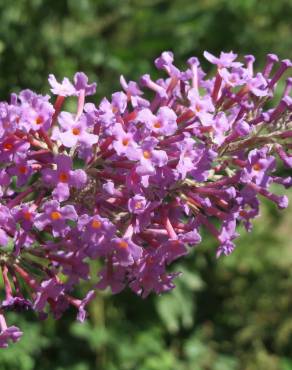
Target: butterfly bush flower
[(164, 123), (66, 88), (131, 181), (63, 177), (55, 218), (7, 334), (74, 131)]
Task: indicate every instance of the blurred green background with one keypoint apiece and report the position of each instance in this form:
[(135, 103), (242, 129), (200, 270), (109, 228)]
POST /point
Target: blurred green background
[(228, 314)]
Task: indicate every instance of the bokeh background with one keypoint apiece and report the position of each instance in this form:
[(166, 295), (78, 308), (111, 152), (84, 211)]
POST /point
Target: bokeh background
[(228, 314)]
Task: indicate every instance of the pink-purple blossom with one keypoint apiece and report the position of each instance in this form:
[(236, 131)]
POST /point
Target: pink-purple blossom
[(132, 180)]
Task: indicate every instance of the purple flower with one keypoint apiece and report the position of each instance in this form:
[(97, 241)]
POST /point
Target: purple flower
[(165, 61), (11, 147), (149, 275), (201, 106), (137, 204), (12, 333), (74, 132), (113, 277), (220, 126), (64, 177), (119, 102), (191, 237), (24, 216), (202, 163), (35, 112), (258, 168), (81, 309), (163, 123), (81, 83), (96, 235), (134, 93), (107, 113), (65, 88), (48, 290), (232, 78), (126, 251), (16, 304), (187, 157), (22, 170), (172, 250), (146, 81), (225, 60), (225, 248), (149, 157), (55, 217), (124, 143), (258, 85), (7, 334)]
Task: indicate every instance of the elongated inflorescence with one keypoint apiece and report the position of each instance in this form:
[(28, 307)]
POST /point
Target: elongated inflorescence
[(132, 181)]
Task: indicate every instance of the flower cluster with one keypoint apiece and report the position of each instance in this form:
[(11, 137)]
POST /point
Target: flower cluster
[(130, 182)]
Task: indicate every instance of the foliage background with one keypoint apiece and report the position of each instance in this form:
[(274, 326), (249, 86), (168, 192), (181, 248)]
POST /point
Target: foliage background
[(230, 314)]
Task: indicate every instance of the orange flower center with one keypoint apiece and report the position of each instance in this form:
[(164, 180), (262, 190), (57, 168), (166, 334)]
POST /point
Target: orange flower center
[(39, 120), (22, 170), (123, 244), (96, 224), (27, 215), (157, 124), (125, 141), (8, 146), (243, 213), (198, 108), (146, 154), (257, 167), (55, 215), (63, 177), (75, 131)]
